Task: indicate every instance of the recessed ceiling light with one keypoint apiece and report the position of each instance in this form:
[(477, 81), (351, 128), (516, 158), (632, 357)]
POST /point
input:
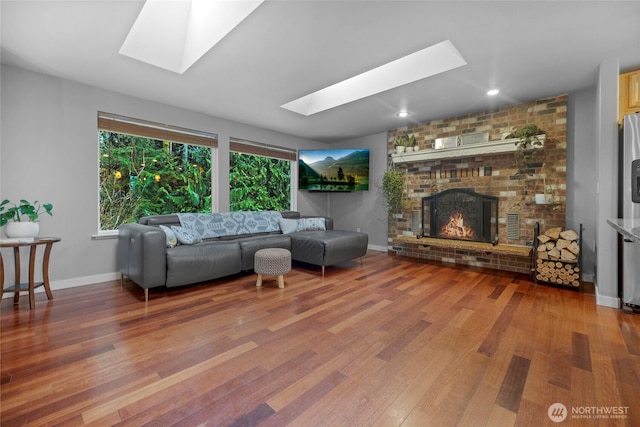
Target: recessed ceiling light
[(493, 92), (402, 113), (174, 34), (416, 66)]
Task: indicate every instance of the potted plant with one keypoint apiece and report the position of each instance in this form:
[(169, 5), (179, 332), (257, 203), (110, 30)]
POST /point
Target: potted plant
[(400, 144), (392, 187), (22, 219), (414, 143), (529, 136), (546, 197), (405, 141)]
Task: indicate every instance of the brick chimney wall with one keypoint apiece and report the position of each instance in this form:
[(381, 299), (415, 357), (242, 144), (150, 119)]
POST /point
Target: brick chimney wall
[(509, 177)]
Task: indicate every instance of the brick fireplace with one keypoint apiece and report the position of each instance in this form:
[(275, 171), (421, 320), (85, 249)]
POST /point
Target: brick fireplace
[(506, 176)]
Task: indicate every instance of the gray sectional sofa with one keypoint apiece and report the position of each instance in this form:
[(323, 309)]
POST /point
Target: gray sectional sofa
[(145, 256)]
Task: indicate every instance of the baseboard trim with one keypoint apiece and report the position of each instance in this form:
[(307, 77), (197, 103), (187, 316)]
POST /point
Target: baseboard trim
[(82, 281), (75, 282), (378, 248), (607, 301)]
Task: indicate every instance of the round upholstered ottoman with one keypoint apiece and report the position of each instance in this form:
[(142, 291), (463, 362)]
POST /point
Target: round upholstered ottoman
[(274, 262)]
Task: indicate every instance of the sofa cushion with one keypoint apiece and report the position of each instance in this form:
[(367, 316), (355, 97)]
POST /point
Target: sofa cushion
[(163, 219), (188, 264), (250, 245)]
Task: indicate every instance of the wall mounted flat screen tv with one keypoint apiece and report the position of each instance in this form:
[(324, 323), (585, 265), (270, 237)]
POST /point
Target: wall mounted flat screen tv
[(333, 170)]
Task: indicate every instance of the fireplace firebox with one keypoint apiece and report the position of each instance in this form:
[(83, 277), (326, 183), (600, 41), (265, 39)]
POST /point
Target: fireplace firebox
[(460, 214)]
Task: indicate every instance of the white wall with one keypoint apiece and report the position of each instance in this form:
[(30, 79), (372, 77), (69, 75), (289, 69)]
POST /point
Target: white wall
[(606, 132), (581, 181), (364, 210), (49, 152)]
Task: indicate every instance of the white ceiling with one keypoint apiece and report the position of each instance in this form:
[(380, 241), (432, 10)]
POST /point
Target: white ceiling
[(287, 49)]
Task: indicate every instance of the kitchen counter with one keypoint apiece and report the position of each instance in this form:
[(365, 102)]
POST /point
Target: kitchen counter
[(628, 227)]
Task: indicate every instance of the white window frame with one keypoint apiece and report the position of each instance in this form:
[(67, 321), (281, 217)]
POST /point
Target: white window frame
[(131, 126), (237, 145)]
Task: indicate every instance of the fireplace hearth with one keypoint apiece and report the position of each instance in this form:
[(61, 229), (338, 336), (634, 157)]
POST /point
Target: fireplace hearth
[(460, 214)]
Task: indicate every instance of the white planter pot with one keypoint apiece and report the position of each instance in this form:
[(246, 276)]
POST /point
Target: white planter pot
[(400, 149), (542, 200), (416, 148), (22, 229)]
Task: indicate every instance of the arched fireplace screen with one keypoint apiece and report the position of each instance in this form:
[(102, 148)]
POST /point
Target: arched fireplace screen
[(460, 214)]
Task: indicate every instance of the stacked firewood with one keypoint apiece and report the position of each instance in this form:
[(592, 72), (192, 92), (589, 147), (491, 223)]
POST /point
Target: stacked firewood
[(557, 257)]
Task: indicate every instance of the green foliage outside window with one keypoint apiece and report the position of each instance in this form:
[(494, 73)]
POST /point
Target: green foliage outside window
[(259, 183), (142, 176)]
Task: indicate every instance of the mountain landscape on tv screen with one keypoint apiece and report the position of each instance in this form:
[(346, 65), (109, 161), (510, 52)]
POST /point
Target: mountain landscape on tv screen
[(347, 173)]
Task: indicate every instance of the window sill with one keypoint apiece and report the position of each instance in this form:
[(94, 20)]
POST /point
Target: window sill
[(104, 235)]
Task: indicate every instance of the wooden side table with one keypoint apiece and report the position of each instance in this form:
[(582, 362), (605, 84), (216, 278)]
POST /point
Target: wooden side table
[(18, 287)]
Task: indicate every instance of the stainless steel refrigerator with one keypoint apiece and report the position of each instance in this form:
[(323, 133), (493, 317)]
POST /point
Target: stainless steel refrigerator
[(629, 207)]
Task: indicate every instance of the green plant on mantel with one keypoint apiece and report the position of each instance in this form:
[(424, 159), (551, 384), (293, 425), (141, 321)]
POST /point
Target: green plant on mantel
[(528, 136), (17, 212), (411, 140), (393, 188), (405, 140)]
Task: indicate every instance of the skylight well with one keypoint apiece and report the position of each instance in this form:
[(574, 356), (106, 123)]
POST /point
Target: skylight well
[(175, 34), (416, 66)]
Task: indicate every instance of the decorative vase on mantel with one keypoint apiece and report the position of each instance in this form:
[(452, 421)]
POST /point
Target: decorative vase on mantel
[(22, 229)]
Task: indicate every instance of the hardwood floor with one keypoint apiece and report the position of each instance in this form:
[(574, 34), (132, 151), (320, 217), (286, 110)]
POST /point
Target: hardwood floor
[(389, 342)]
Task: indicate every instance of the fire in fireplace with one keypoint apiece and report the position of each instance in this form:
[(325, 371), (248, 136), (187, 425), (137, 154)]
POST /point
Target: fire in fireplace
[(455, 228), (460, 214)]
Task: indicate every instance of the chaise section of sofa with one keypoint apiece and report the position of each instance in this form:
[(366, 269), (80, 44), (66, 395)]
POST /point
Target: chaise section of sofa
[(328, 247)]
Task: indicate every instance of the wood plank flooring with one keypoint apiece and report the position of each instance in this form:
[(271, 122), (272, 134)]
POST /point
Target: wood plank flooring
[(388, 342)]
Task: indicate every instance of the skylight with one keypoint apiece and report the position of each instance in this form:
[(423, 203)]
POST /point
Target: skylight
[(416, 66), (174, 34)]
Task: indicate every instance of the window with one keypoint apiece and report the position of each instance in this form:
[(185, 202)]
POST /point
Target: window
[(148, 168), (260, 176)]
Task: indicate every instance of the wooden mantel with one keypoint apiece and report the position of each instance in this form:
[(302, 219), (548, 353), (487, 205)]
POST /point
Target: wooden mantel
[(491, 147)]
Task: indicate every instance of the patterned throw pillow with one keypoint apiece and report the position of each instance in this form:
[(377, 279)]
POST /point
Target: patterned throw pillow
[(171, 238), (303, 224), (311, 224), (185, 236)]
